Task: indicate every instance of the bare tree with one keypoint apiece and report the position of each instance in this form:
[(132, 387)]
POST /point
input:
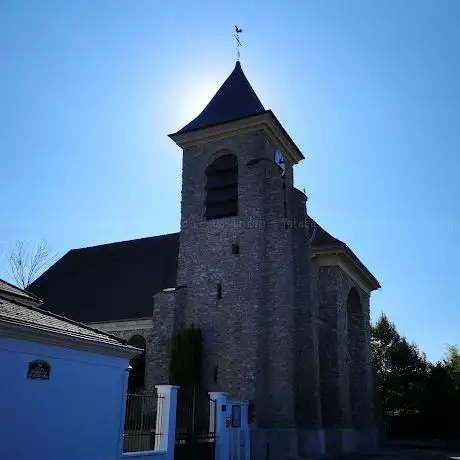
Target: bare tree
[(26, 262)]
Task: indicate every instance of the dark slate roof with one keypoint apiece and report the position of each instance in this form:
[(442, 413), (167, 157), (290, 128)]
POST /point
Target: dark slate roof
[(324, 239), (11, 289), (111, 281), (235, 99), (325, 242), (19, 309)]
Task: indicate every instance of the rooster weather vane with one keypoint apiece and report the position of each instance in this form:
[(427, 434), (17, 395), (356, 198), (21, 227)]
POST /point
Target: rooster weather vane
[(238, 43)]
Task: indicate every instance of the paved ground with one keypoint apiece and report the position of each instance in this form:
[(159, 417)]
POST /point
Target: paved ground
[(391, 453), (404, 454)]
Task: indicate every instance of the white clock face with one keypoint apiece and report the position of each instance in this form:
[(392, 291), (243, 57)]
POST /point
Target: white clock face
[(280, 161)]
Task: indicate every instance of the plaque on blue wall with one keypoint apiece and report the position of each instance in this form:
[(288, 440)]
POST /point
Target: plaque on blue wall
[(38, 370)]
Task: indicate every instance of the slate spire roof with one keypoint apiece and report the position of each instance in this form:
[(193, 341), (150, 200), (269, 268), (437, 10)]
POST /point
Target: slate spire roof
[(235, 99)]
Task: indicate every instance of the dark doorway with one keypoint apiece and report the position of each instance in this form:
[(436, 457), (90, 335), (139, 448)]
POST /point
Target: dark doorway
[(195, 425), (136, 380)]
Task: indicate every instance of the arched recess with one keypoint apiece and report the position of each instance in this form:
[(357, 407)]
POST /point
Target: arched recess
[(329, 348), (356, 333), (222, 187), (329, 366), (136, 379)]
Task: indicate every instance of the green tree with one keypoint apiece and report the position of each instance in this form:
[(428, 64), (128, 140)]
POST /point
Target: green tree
[(441, 403), (401, 369), (452, 363), (186, 356), (418, 399), (185, 370)]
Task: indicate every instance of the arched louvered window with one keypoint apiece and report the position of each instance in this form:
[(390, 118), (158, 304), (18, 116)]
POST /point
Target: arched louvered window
[(222, 187)]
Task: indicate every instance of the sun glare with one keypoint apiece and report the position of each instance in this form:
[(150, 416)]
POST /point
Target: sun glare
[(193, 94), (197, 96)]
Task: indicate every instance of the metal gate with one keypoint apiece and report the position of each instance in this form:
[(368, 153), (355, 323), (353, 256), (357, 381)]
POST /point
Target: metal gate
[(238, 430), (141, 433), (195, 425)]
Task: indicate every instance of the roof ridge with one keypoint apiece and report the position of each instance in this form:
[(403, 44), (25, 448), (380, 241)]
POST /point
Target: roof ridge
[(70, 321), (124, 241), (338, 245), (325, 231), (23, 292)]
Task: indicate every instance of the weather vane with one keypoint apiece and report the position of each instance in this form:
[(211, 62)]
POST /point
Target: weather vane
[(238, 43)]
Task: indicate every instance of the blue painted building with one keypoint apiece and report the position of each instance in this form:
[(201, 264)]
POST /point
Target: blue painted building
[(62, 387)]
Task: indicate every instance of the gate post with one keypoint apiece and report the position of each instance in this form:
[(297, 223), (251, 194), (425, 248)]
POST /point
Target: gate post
[(245, 430), (218, 424), (166, 419)]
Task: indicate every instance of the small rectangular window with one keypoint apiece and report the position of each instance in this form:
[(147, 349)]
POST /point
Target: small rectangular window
[(235, 248), (216, 371), (219, 291)]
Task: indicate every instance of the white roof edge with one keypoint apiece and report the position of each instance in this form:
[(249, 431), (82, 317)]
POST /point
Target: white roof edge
[(32, 333)]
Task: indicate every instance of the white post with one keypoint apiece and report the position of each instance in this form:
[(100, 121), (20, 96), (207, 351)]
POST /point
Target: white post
[(124, 396), (166, 419), (218, 425), (245, 430)]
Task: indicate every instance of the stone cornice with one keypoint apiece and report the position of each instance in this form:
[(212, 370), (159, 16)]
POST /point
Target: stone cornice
[(49, 337), (123, 325), (266, 122), (341, 259)]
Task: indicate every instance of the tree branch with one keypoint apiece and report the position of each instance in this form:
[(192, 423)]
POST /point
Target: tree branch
[(26, 263)]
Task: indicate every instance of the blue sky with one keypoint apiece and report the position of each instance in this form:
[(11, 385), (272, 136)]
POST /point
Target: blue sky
[(368, 90)]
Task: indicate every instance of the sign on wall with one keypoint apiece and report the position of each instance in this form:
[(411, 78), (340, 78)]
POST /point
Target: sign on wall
[(38, 370)]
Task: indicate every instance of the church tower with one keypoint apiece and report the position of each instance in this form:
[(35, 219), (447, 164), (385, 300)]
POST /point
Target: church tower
[(243, 268)]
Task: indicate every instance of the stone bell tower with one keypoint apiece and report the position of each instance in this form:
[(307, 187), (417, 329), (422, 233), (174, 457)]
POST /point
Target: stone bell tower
[(242, 269)]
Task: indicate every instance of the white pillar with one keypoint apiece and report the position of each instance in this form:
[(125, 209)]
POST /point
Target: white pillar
[(166, 419), (245, 430), (124, 396), (218, 425)]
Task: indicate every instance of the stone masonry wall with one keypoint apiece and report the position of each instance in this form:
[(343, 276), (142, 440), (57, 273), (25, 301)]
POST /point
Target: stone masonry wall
[(335, 402), (279, 301), (248, 331), (130, 328), (308, 407), (345, 359), (167, 304), (362, 379)]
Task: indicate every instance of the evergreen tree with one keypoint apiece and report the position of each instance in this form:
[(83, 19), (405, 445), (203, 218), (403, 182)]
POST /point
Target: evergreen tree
[(185, 370), (452, 363), (401, 369), (186, 354), (419, 400)]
